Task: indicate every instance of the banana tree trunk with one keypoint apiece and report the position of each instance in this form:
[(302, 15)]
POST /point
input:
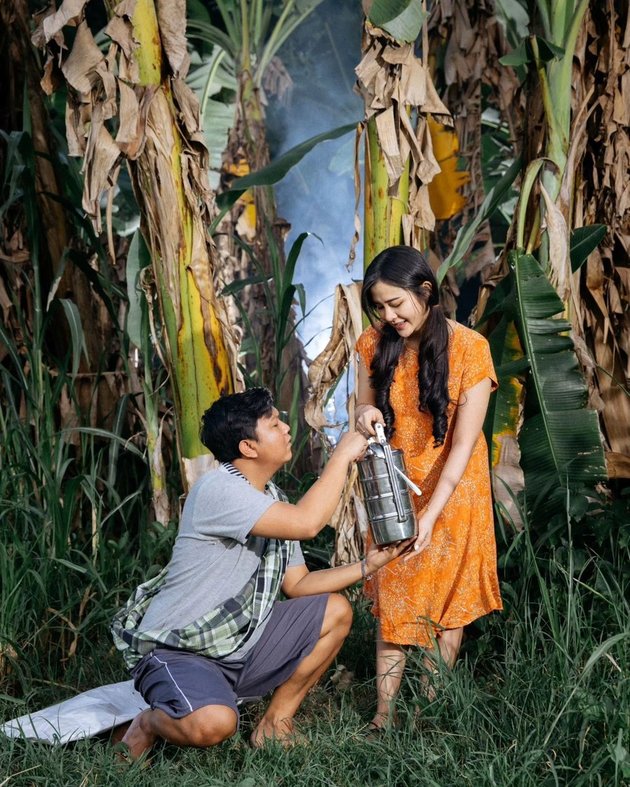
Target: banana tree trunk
[(140, 84), (382, 211), (174, 206), (252, 221)]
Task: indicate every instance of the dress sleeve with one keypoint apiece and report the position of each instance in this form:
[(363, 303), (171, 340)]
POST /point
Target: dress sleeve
[(478, 364), (366, 346)]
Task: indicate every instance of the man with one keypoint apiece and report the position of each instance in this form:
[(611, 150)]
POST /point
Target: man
[(210, 630)]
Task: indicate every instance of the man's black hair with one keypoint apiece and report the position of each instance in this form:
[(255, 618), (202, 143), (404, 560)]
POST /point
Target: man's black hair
[(233, 418)]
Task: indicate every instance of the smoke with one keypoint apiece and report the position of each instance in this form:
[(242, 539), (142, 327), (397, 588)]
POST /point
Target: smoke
[(317, 196)]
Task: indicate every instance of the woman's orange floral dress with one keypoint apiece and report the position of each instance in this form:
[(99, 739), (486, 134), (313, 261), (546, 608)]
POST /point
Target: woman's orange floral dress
[(454, 581)]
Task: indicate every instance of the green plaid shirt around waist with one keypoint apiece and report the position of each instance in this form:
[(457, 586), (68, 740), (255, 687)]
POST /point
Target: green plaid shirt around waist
[(220, 631)]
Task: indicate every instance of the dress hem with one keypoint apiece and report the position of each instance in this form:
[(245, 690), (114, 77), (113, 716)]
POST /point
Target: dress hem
[(428, 642)]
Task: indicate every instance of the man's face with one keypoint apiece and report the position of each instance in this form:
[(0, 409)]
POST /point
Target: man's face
[(273, 439)]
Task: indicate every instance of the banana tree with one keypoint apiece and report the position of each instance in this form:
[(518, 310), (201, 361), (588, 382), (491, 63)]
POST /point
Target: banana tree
[(414, 182), (542, 386), (137, 92), (246, 36), (398, 96), (558, 109), (577, 107)]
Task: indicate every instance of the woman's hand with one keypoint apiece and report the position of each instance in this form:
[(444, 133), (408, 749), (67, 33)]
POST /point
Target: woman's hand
[(426, 523), (365, 416), (378, 556)]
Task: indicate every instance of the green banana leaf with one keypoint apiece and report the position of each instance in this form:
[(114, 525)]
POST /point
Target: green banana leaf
[(402, 19), (467, 233), (525, 52), (560, 441), (274, 172), (584, 240)]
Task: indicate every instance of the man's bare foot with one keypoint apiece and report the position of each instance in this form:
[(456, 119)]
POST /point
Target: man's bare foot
[(119, 732), (138, 738), (282, 732)]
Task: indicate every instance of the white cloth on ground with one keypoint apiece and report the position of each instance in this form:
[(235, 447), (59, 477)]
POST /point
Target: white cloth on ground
[(82, 716)]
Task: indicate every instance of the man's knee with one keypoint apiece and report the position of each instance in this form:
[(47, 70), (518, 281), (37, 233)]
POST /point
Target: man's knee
[(338, 614), (210, 725)]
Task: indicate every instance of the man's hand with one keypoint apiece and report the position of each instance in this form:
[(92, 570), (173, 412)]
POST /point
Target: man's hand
[(299, 581), (378, 556), (352, 445), (365, 417)]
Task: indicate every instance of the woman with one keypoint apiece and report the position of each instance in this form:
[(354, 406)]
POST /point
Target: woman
[(428, 380)]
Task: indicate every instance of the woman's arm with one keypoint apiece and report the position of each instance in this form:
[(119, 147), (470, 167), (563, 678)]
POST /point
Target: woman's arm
[(469, 416), (366, 412)]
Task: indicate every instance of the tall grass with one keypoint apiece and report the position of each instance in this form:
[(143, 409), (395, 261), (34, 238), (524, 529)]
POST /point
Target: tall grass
[(73, 498), (540, 695)]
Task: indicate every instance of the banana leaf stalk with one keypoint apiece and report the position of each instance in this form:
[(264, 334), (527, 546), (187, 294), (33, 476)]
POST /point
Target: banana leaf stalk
[(562, 21), (383, 211)]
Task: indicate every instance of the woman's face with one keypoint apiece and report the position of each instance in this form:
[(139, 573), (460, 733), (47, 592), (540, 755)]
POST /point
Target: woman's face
[(400, 308)]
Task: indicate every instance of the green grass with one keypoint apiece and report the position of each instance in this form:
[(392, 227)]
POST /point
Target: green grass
[(540, 695), (520, 708)]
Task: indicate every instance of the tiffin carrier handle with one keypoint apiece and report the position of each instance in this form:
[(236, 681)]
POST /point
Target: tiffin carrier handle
[(391, 471)]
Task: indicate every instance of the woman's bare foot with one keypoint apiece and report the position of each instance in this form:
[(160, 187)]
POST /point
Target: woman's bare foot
[(138, 738), (428, 688), (383, 721), (282, 732)]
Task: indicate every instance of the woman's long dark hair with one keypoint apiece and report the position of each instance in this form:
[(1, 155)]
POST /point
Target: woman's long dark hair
[(403, 266)]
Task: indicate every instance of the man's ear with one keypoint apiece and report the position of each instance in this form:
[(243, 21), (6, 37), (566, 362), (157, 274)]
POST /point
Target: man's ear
[(248, 449)]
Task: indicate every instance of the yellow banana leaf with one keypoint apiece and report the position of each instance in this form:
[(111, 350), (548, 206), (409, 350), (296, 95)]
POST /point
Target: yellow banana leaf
[(445, 188)]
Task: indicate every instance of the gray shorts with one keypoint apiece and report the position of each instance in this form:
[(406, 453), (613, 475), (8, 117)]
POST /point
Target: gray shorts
[(180, 682)]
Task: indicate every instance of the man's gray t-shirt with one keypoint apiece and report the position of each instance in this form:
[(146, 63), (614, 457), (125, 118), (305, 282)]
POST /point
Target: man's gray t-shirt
[(213, 555)]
